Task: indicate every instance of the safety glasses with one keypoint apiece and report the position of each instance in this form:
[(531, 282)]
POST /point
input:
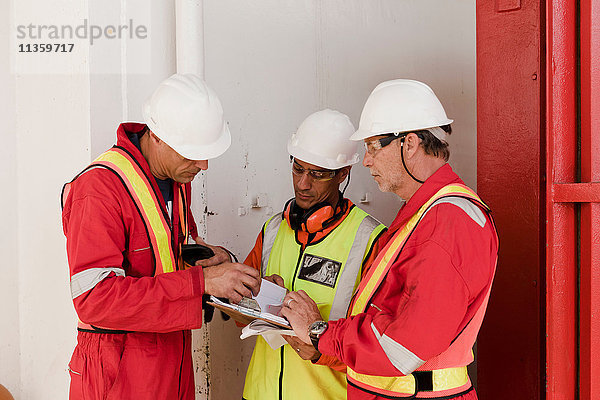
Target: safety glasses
[(316, 174), (377, 144)]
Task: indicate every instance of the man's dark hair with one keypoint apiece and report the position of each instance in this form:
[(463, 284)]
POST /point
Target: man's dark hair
[(434, 146)]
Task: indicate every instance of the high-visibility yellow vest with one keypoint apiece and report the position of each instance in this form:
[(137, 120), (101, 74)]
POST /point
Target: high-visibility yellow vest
[(281, 373), (139, 188), (450, 379)]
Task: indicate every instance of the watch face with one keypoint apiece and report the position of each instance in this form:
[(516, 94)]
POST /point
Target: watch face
[(318, 327)]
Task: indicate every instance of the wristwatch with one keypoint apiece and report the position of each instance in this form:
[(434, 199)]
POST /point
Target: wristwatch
[(315, 330)]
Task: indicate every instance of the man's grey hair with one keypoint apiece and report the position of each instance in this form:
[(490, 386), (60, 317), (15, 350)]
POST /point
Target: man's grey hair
[(434, 146)]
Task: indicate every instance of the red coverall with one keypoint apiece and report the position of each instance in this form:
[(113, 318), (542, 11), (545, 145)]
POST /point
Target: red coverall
[(105, 232), (429, 293)]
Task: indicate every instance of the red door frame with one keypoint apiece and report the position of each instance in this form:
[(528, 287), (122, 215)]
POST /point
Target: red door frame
[(589, 322), (538, 98), (561, 227), (510, 165), (573, 192)]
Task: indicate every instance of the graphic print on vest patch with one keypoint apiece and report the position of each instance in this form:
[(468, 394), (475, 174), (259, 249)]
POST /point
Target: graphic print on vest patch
[(319, 270)]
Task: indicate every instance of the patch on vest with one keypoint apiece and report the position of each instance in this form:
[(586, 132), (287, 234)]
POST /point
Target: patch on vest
[(319, 270)]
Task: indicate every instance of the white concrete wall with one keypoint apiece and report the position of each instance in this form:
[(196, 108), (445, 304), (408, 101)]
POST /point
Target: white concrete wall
[(272, 62), (48, 136), (10, 368)]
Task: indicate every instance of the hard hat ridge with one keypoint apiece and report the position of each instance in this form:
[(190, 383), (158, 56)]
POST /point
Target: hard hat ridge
[(323, 139), (401, 105)]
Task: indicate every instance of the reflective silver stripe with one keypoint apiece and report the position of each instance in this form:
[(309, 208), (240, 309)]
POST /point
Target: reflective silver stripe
[(83, 281), (467, 206), (345, 286), (400, 357), (269, 235)]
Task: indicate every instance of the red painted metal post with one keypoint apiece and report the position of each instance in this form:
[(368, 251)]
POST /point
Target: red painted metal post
[(590, 213), (509, 178), (518, 136), (561, 160)]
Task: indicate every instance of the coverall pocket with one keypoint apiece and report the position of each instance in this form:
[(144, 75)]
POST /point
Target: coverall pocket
[(111, 362), (95, 365), (139, 253), (139, 367), (76, 373), (93, 370)]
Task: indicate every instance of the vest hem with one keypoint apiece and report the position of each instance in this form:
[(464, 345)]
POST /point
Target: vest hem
[(101, 330), (414, 396)]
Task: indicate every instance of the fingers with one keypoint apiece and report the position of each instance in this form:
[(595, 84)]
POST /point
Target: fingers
[(301, 302), (287, 301), (298, 322), (234, 297), (210, 262), (220, 257), (276, 279), (298, 297), (300, 310), (251, 279), (246, 280), (231, 280), (243, 290)]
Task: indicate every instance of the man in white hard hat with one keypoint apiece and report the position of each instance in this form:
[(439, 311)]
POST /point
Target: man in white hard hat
[(126, 218), (318, 243), (418, 309)]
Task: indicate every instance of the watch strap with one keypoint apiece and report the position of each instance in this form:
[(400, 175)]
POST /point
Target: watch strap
[(315, 341)]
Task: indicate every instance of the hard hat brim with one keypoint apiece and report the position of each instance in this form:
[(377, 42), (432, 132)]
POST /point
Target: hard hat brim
[(299, 153), (209, 151), (362, 134), (197, 153)]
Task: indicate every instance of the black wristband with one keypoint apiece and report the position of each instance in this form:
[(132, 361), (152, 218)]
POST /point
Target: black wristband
[(315, 342)]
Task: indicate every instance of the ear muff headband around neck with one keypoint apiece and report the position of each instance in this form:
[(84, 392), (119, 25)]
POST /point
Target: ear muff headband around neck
[(316, 218)]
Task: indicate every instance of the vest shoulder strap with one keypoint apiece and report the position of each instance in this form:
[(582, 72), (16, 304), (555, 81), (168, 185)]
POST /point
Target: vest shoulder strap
[(269, 234), (136, 183), (391, 251), (361, 246), (141, 190)]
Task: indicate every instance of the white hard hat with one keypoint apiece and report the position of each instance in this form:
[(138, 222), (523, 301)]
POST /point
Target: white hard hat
[(401, 105), (187, 115), (323, 139)]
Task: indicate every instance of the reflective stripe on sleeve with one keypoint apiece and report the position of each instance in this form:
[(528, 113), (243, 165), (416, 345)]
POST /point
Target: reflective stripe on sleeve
[(400, 357), (83, 281), (269, 235), (347, 281), (467, 206)]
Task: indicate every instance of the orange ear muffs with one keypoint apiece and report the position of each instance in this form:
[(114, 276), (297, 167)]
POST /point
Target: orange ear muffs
[(312, 220), (316, 220)]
